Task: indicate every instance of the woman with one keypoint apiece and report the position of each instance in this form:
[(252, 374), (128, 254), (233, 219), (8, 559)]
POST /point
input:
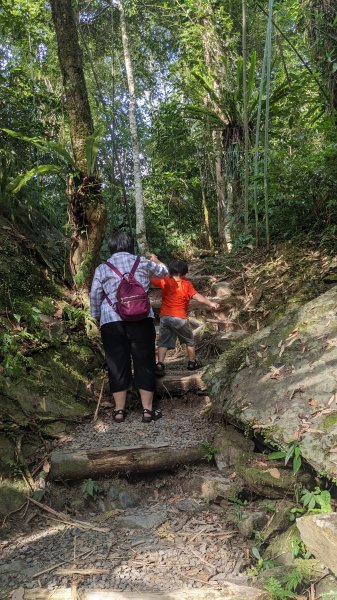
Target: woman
[(123, 340)]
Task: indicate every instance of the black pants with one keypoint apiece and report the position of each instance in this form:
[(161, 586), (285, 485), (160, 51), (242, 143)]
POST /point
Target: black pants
[(123, 340)]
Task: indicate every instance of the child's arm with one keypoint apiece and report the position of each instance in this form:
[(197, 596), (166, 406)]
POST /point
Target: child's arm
[(203, 300)]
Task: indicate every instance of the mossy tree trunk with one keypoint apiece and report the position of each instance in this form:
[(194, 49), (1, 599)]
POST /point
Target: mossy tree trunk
[(86, 210)]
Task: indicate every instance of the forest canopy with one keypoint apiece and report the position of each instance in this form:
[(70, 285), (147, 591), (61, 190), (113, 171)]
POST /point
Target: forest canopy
[(199, 123)]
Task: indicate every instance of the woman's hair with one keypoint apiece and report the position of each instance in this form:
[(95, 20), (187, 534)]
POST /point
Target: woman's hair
[(178, 267), (121, 241)]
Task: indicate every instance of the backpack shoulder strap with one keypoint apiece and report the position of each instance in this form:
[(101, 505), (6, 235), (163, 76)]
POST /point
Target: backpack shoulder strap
[(114, 269), (135, 265)]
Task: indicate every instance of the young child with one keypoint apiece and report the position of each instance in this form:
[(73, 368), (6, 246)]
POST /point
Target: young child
[(177, 292)]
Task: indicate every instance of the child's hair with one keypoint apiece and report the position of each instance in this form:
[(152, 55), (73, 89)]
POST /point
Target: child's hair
[(178, 267)]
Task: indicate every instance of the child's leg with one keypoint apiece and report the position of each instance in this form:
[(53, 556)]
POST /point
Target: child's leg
[(166, 341), (190, 352), (162, 354)]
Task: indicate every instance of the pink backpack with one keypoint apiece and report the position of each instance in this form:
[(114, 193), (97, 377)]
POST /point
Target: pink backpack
[(132, 301)]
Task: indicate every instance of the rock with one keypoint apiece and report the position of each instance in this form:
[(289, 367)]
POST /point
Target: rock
[(120, 497), (231, 446), (319, 533), (141, 521), (222, 290), (326, 588), (225, 341), (266, 382), (283, 548), (14, 567), (11, 497), (250, 523), (7, 454), (279, 521), (260, 481), (190, 506), (212, 486)]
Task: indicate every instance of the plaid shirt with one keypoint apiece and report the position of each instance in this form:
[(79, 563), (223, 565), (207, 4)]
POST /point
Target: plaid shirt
[(105, 281)]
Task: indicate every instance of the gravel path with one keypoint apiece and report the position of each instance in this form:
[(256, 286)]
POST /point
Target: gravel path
[(153, 536), (184, 423)]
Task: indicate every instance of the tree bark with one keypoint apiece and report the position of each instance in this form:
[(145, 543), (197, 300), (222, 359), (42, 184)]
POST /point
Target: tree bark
[(245, 115), (205, 211), (139, 198), (211, 56), (86, 210), (80, 464)]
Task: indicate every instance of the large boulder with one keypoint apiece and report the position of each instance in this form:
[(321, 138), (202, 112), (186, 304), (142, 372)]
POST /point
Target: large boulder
[(281, 382), (319, 533)]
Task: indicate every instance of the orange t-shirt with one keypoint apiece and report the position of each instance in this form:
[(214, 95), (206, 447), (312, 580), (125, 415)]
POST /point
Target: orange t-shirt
[(176, 295)]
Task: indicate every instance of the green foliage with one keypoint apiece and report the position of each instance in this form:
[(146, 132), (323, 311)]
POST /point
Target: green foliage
[(209, 451), (14, 363), (74, 315), (298, 549), (46, 306), (91, 490), (316, 500), (84, 270), (277, 591), (293, 452), (287, 586), (261, 564)]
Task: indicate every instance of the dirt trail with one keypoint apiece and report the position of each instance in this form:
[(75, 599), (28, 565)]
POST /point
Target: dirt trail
[(146, 533), (153, 536)]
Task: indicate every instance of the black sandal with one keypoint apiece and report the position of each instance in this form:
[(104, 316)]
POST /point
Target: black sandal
[(120, 412), (151, 415), (160, 369), (193, 365)]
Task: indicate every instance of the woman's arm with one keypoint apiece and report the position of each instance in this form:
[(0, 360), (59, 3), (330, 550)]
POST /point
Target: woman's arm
[(96, 295)]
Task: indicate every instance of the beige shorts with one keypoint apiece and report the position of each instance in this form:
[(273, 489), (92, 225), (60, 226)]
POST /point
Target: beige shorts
[(172, 328)]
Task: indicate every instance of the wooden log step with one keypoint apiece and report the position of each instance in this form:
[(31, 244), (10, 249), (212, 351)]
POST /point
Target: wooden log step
[(80, 464), (227, 591), (178, 384)]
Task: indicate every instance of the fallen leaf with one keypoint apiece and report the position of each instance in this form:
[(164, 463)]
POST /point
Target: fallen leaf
[(46, 466), (274, 473), (314, 430), (281, 350), (334, 449), (259, 354), (313, 402), (260, 463), (333, 397), (247, 360)]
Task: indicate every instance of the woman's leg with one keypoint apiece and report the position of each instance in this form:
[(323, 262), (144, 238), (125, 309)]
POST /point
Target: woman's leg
[(117, 351), (142, 336)]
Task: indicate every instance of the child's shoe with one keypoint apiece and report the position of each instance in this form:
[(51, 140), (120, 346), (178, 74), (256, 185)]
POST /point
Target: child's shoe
[(160, 369), (193, 365)]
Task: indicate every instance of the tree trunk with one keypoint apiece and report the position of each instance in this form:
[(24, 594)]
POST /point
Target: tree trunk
[(139, 198), (80, 464), (86, 211), (205, 212), (245, 115), (220, 188)]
